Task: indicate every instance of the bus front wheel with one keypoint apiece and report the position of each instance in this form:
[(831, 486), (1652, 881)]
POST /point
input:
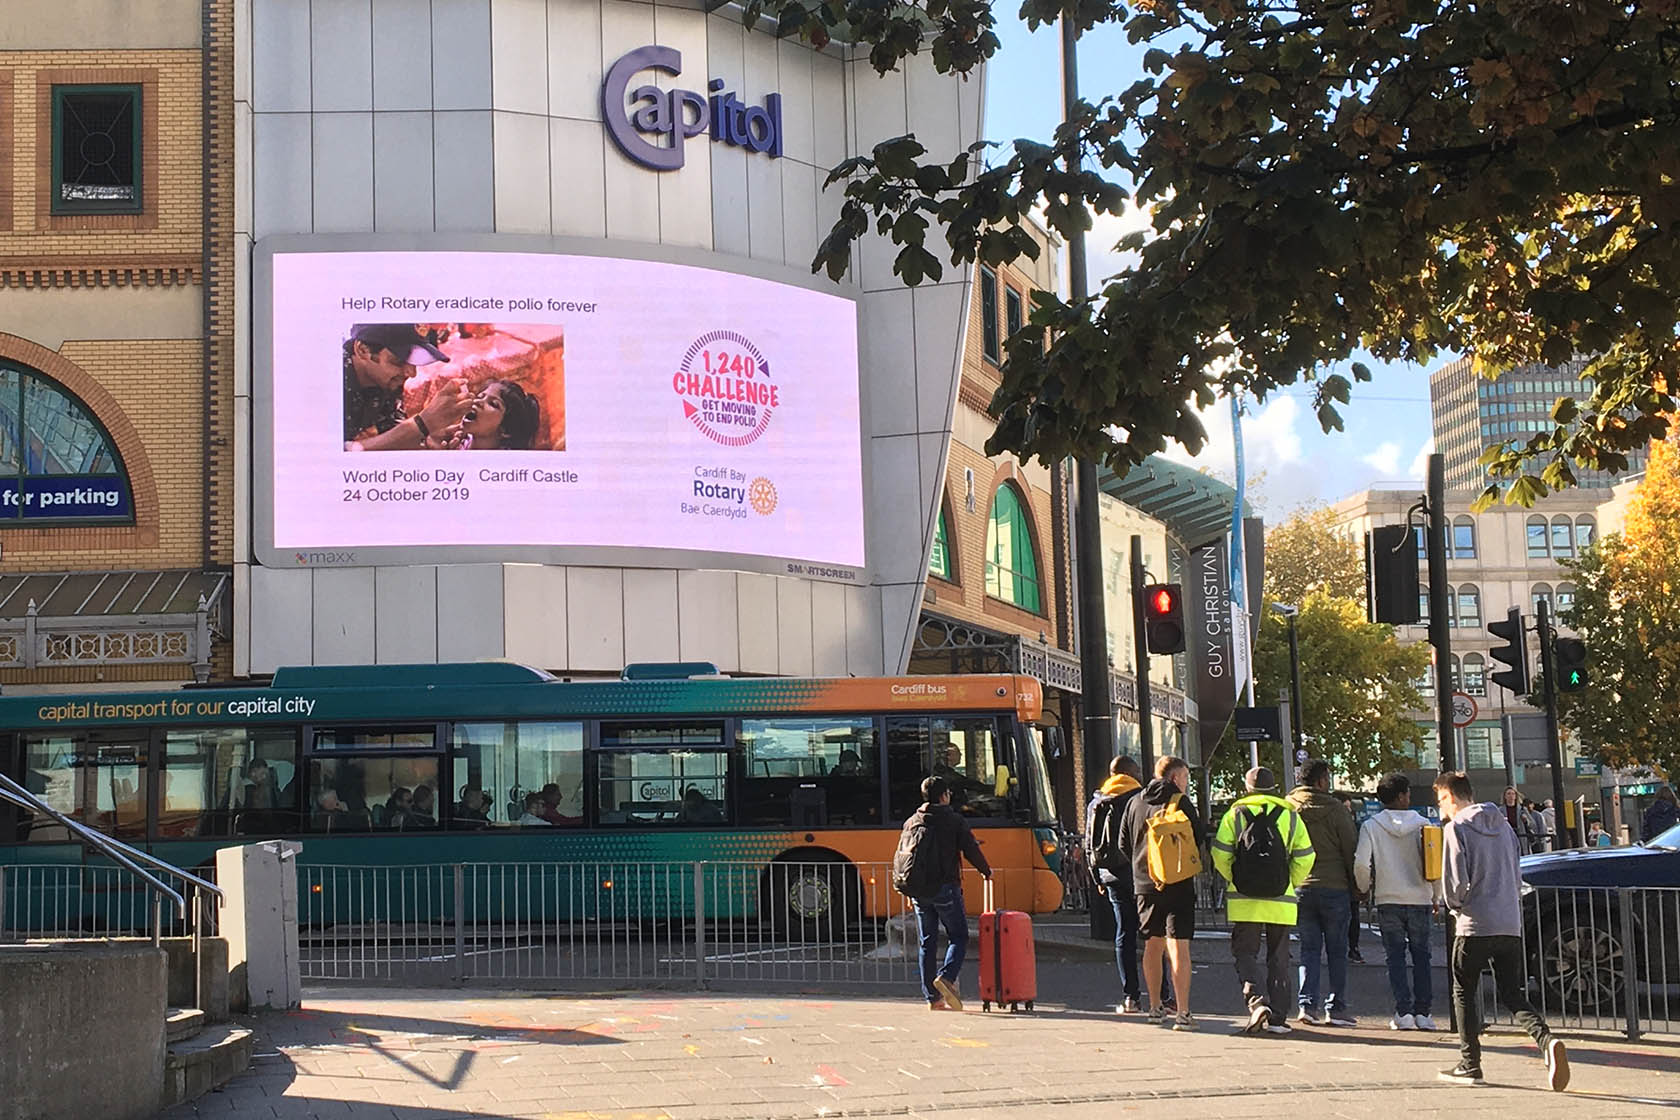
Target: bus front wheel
[(812, 899)]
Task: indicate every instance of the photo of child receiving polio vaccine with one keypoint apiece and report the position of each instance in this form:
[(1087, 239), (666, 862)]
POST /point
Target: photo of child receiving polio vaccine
[(455, 387)]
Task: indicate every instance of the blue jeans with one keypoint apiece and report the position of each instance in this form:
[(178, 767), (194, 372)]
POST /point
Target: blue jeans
[(1125, 937), (1406, 929), (943, 909), (1321, 918)]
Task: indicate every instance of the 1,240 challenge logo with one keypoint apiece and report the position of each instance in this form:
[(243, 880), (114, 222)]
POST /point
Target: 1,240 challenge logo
[(725, 386)]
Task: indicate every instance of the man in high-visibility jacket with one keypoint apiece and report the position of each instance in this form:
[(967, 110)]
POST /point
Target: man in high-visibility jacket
[(1263, 851)]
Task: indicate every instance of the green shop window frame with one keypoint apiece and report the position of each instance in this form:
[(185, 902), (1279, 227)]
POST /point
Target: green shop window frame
[(136, 110)]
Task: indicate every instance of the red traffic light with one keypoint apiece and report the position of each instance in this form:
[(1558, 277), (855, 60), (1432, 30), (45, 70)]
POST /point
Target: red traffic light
[(1162, 601), (1163, 617)]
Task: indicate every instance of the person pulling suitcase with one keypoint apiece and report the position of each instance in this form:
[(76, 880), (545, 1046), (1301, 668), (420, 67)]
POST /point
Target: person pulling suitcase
[(927, 869)]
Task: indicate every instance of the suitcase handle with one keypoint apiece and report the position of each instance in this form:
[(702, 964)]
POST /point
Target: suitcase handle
[(986, 895)]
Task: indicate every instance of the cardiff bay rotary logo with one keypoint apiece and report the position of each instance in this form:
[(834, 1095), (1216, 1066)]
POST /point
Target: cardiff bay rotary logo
[(761, 495), (725, 388)]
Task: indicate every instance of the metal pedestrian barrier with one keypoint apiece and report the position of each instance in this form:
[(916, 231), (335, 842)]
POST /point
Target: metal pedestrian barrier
[(647, 924), (1600, 958)]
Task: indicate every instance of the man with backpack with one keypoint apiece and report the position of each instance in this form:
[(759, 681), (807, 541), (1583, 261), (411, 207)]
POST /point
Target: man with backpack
[(1161, 839), (1389, 865), (1104, 818), (1263, 851), (927, 869)]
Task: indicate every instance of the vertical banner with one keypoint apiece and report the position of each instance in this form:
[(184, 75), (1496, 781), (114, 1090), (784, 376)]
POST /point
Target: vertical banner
[(1238, 577), (1212, 651)]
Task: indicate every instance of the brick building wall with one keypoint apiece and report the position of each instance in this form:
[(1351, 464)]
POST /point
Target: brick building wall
[(112, 306)]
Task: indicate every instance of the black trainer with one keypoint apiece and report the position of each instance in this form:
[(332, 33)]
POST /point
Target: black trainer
[(1464, 1073)]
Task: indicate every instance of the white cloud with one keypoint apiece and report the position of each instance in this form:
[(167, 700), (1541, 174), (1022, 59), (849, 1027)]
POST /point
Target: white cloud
[(1385, 460), (1270, 437), (1102, 260), (1420, 463)]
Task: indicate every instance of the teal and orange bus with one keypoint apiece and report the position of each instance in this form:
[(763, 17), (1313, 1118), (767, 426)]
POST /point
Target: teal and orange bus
[(494, 763)]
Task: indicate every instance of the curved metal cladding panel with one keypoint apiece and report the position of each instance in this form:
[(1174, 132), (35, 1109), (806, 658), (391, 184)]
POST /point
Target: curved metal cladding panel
[(485, 117)]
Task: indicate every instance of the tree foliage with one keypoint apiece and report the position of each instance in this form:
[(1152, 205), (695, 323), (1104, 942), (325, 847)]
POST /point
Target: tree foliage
[(1306, 554), (1627, 608), (1357, 680), (1498, 178)]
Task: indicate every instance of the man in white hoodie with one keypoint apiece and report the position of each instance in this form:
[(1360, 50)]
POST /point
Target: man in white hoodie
[(1388, 868)]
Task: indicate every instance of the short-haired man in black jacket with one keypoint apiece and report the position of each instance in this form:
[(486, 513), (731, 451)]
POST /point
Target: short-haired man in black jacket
[(955, 839)]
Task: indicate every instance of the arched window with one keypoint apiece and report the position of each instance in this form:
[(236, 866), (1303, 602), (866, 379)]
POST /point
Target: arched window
[(1423, 604), (1586, 532), (1542, 593), (1537, 538), (1463, 538), (1475, 674), (1426, 683), (56, 461), (1469, 606), (1565, 597), (1456, 676), (1563, 539), (1452, 612), (939, 560), (1011, 567)]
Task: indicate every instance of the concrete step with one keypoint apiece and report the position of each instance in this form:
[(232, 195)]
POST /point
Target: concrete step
[(182, 1023), (216, 1055)]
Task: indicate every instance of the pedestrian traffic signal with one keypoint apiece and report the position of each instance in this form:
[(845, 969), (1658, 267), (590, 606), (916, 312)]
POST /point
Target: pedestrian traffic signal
[(1391, 575), (1513, 653), (1163, 615), (1570, 656)]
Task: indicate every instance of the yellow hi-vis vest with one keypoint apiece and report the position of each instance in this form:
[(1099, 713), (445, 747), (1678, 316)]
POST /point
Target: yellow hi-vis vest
[(1276, 911)]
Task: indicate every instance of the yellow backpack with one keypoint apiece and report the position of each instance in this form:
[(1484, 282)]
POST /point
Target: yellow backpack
[(1173, 855), (1433, 851)]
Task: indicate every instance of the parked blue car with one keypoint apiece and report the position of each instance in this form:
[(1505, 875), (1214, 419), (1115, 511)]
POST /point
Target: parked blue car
[(1583, 936)]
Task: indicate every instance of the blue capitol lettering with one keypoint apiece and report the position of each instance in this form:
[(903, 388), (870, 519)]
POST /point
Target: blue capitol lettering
[(678, 114)]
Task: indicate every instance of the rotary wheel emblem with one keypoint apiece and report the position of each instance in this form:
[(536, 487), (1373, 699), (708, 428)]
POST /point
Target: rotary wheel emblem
[(762, 495)]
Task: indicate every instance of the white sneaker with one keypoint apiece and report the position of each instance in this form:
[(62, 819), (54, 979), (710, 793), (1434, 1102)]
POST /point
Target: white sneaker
[(1402, 1023), (1423, 1023), (1340, 1019), (1310, 1017), (1279, 1028)]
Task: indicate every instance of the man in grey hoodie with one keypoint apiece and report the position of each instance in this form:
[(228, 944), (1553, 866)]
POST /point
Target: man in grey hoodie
[(1388, 864), (1482, 884)]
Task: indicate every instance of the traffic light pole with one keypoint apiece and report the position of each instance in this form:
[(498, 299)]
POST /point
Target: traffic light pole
[(1548, 670), (1140, 639), (1096, 699), (1435, 541), (1297, 725)]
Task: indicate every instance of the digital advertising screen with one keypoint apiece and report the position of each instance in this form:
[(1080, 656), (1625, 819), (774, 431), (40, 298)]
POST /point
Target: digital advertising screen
[(437, 406)]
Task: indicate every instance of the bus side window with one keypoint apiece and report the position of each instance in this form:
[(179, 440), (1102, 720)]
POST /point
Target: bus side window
[(498, 767), (227, 781), (809, 773)]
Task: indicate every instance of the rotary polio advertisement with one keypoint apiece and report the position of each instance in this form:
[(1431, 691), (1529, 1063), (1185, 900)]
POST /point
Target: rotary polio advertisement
[(607, 403)]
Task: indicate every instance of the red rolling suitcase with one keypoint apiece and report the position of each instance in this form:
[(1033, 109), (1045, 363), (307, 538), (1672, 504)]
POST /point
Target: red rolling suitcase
[(1008, 967)]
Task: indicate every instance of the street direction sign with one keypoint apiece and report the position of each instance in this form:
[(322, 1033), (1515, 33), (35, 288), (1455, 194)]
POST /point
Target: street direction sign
[(1258, 725)]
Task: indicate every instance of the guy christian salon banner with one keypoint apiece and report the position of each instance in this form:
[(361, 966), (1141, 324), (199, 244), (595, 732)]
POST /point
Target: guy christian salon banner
[(541, 401)]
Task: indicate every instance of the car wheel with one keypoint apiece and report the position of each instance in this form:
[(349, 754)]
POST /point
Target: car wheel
[(1581, 963)]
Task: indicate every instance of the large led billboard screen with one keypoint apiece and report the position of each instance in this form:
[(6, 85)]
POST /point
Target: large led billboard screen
[(431, 405)]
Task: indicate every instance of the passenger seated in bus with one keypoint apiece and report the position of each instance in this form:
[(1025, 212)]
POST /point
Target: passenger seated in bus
[(330, 812), (533, 814), (696, 809), (399, 807), (423, 814), (473, 809), (258, 817), (849, 765), (551, 806)]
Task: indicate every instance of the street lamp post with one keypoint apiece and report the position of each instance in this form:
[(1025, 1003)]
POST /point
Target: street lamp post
[(1297, 728)]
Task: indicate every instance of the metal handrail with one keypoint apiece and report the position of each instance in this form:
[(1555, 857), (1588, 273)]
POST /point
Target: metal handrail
[(11, 791)]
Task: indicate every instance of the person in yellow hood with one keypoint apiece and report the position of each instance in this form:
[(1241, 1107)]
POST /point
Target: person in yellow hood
[(1113, 874)]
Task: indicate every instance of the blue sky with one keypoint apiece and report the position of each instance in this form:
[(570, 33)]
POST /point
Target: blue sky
[(1387, 425)]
